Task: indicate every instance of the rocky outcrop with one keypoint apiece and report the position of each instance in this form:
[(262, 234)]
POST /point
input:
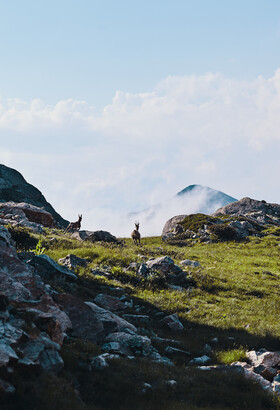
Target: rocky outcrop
[(32, 327), (263, 368), (261, 211), (14, 188), (23, 214)]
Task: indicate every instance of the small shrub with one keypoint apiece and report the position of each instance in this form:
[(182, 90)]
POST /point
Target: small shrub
[(224, 232), (230, 356), (194, 222)]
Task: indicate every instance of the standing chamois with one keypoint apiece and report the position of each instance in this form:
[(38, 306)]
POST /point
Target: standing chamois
[(74, 225), (135, 234)]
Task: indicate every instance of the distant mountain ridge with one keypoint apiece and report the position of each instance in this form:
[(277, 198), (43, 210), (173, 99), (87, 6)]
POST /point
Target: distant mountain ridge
[(214, 196), (192, 199)]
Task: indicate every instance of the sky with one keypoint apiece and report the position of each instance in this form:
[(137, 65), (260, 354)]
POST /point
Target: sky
[(111, 107)]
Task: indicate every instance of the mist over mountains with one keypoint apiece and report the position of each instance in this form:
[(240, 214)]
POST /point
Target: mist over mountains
[(192, 199)]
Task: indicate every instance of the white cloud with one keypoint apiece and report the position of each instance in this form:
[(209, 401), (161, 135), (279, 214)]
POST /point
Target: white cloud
[(145, 147)]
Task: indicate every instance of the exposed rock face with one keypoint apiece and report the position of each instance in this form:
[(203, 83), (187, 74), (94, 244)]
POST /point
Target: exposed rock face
[(13, 187), (32, 308), (172, 223), (25, 215), (253, 208)]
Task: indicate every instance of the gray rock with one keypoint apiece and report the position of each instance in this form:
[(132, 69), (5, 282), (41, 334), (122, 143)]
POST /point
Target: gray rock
[(164, 360), (101, 361), (172, 323), (143, 270), (163, 264), (128, 344), (108, 302), (72, 261), (95, 236), (188, 262), (200, 360), (47, 267)]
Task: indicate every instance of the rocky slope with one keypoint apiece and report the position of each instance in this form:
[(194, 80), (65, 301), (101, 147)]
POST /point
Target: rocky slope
[(14, 188), (236, 220)]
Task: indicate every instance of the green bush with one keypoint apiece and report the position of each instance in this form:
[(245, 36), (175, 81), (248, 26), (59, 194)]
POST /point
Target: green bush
[(224, 232)]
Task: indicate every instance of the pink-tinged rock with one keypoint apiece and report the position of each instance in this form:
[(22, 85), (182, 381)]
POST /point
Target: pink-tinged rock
[(265, 384), (109, 302), (269, 373), (263, 357), (31, 212)]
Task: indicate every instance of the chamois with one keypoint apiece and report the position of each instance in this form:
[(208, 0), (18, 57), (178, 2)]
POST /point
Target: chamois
[(135, 234), (74, 225)]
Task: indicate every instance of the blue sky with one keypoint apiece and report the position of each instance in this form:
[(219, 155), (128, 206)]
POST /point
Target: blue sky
[(109, 107), (89, 49)]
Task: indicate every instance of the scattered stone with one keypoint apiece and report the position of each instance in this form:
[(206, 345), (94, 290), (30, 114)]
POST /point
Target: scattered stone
[(269, 373), (163, 360), (108, 302), (72, 261), (101, 361), (200, 360), (143, 270), (146, 387), (175, 352), (171, 383), (263, 357), (6, 388), (164, 264), (172, 323), (188, 262), (128, 344)]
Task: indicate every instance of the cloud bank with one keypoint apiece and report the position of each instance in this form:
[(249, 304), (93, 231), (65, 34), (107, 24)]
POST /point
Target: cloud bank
[(143, 148)]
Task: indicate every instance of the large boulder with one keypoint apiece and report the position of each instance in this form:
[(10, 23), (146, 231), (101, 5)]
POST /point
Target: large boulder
[(22, 213), (48, 268), (163, 264), (95, 236), (13, 187), (89, 321)]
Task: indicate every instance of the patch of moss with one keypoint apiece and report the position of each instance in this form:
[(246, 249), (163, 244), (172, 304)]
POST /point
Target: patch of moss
[(194, 222)]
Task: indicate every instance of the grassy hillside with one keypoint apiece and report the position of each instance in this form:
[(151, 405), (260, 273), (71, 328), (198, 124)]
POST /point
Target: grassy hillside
[(233, 305)]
